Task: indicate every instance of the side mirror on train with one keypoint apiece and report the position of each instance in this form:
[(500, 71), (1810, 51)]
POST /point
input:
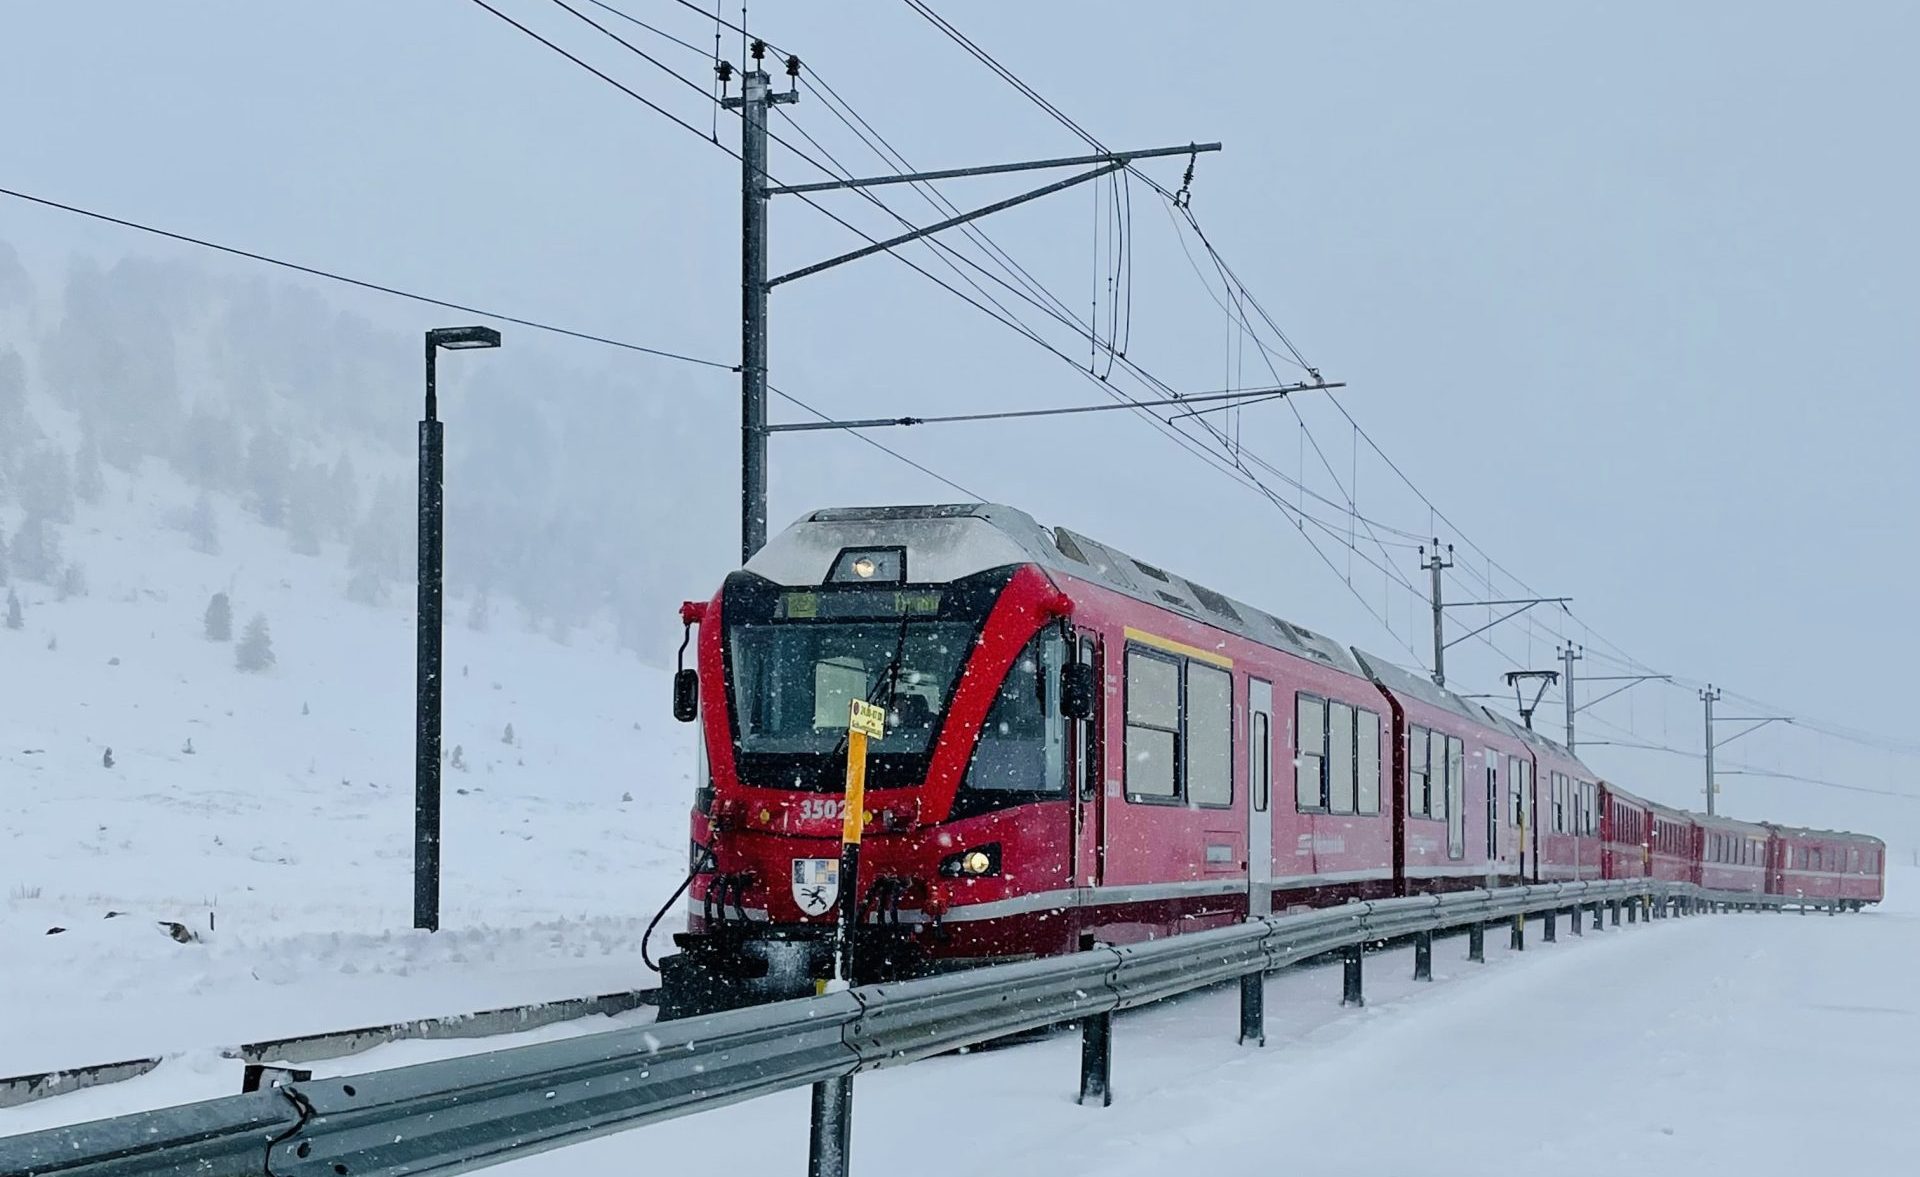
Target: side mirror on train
[(1076, 690), (686, 695)]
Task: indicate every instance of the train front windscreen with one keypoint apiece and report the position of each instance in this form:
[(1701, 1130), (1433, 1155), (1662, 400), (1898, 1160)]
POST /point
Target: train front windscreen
[(798, 657)]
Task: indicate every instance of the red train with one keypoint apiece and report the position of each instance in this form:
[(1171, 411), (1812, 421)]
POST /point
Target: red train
[(1081, 747)]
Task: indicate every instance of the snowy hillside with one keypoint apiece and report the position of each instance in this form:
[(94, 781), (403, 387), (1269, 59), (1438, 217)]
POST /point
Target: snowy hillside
[(271, 813)]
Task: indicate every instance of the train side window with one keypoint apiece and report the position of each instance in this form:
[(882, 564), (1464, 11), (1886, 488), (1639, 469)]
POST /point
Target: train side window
[(1260, 766), (1366, 733), (1416, 772), (1209, 735), (1153, 726), (1555, 782), (1513, 790), (1310, 766), (1340, 760)]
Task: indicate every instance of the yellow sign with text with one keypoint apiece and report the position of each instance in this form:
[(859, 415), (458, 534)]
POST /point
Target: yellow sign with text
[(869, 719)]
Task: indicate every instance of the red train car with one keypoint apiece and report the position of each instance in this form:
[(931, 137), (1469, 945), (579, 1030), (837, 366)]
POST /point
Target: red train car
[(1644, 839), (1826, 867), (1463, 786), (1079, 747), (1673, 848), (1229, 762), (1731, 855), (1567, 837)]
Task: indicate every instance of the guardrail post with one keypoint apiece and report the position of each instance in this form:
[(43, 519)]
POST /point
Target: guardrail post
[(1518, 940), (1549, 934), (1253, 1009), (1423, 956), (1573, 919), (1477, 943), (831, 1136), (1598, 921), (1613, 909), (1096, 1059), (1350, 990)]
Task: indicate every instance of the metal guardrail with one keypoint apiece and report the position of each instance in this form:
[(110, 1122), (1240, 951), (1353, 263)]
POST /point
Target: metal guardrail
[(16, 1090), (460, 1114)]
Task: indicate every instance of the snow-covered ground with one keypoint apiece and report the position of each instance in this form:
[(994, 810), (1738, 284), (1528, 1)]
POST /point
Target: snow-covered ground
[(283, 839), (1749, 1044)]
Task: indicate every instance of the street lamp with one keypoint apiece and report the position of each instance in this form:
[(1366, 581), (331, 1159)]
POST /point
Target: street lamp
[(426, 714)]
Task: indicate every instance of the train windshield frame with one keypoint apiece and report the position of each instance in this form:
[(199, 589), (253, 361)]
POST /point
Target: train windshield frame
[(796, 657)]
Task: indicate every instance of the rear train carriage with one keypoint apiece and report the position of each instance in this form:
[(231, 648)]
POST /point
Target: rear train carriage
[(1826, 866)]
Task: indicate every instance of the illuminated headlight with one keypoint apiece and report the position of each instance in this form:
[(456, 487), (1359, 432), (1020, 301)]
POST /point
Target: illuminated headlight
[(869, 566), (977, 862)]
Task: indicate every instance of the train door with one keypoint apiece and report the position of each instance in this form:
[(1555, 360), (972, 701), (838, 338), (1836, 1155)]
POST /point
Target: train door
[(1493, 815), (1089, 773), (1259, 797), (1456, 799)]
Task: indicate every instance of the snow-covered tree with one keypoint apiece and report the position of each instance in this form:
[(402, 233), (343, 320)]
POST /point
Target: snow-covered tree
[(13, 395), (342, 499), (46, 484), (209, 450), (269, 475), (382, 544), (14, 618), (16, 286), (477, 611), (3, 557), (255, 651), (506, 737), (303, 522), (73, 582), (36, 550), (203, 527), (218, 622), (89, 480)]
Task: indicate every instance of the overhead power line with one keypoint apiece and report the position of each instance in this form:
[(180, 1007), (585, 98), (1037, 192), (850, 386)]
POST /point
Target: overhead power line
[(364, 284)]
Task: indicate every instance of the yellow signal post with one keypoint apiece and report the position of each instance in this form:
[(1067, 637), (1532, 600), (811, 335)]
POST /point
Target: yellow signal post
[(865, 721)]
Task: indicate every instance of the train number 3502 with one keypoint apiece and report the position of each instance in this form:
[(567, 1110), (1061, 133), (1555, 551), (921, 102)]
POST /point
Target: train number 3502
[(823, 809)]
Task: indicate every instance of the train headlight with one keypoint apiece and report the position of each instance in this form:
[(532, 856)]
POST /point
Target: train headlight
[(864, 568), (975, 862)]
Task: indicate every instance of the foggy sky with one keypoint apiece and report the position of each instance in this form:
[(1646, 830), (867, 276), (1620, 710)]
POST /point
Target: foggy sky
[(1626, 290)]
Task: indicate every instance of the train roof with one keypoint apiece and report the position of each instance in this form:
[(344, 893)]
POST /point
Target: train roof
[(1804, 832), (963, 538), (1402, 681), (1722, 821)]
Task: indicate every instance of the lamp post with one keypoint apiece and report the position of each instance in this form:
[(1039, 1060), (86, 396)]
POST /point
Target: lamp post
[(426, 713)]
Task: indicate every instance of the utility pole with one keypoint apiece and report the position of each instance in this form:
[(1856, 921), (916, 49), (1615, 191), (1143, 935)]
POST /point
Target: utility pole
[(1436, 565), (1707, 696), (1754, 722), (1568, 657), (756, 95), (756, 189)]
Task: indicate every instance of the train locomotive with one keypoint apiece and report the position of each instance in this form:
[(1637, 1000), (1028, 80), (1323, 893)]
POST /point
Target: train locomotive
[(1082, 748)]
